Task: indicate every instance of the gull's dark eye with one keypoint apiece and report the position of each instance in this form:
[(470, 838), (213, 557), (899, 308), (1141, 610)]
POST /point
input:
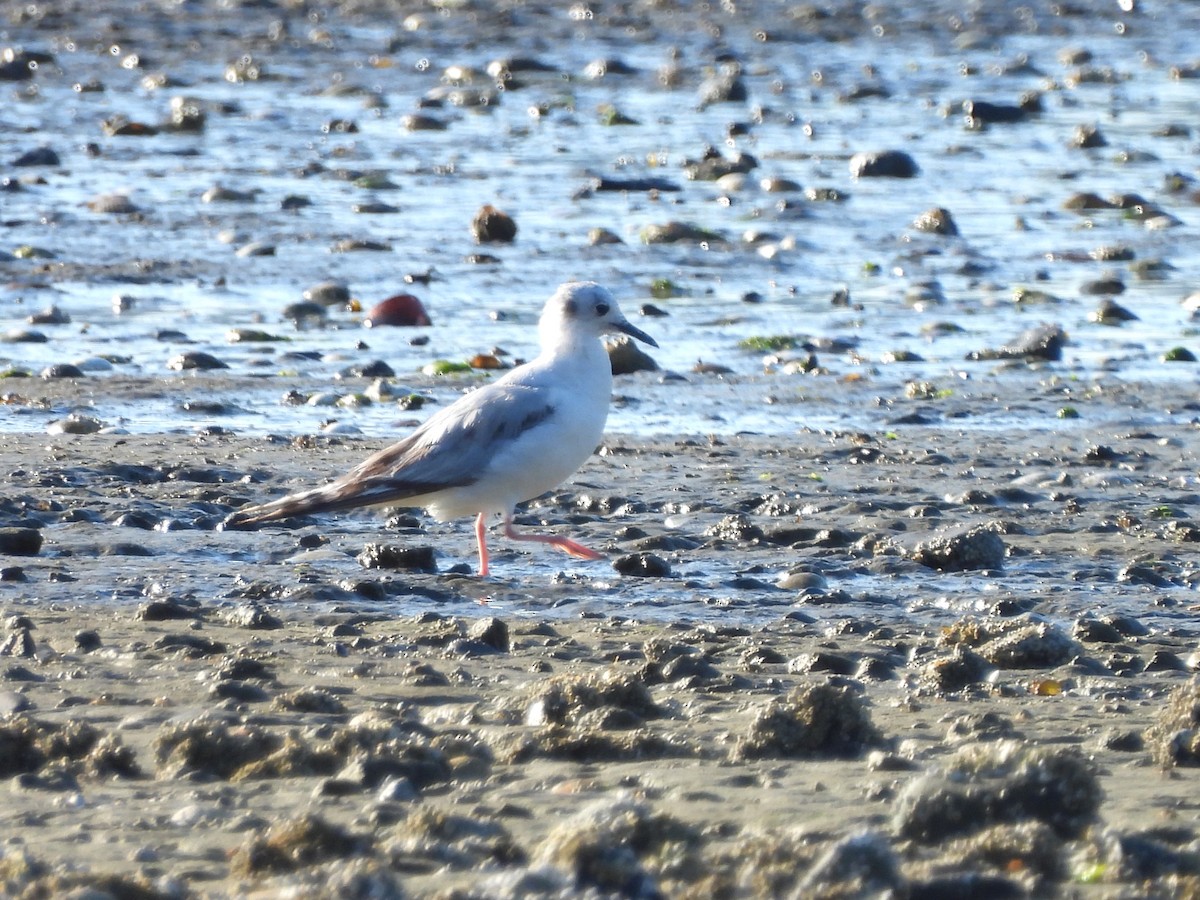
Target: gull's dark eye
[(602, 309)]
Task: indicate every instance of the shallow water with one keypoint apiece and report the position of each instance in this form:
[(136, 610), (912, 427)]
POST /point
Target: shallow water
[(1004, 186)]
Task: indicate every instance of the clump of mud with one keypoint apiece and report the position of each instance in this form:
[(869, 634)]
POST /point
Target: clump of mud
[(1016, 643), (1175, 738), (28, 745), (294, 844), (615, 847), (1000, 782), (433, 835), (567, 700), (816, 720), (370, 748), (594, 717)]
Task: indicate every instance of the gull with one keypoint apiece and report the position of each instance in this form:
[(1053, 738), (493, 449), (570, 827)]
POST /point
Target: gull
[(509, 441)]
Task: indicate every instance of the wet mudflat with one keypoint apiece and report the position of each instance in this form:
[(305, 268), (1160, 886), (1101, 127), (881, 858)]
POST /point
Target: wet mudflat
[(833, 666), (901, 592)]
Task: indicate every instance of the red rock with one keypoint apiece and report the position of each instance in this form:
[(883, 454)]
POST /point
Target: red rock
[(403, 310)]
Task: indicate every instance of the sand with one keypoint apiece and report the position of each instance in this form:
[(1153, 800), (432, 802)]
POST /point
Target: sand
[(562, 726)]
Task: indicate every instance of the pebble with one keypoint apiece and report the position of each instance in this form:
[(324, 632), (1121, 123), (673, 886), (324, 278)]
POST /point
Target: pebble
[(112, 204), (975, 548), (493, 226), (328, 293), (401, 310), (76, 423), (39, 156), (15, 541), (936, 221), (195, 360), (389, 556), (642, 565), (626, 357), (883, 164)]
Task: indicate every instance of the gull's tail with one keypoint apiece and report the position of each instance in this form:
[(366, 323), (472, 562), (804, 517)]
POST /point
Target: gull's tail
[(344, 493), (327, 498)]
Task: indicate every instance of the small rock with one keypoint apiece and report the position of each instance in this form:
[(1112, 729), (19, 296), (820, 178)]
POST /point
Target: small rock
[(726, 86), (642, 565), (87, 640), (401, 310), (252, 616), (328, 293), (960, 669), (1044, 342), (936, 221), (1110, 312), (39, 156), (492, 226), (625, 357), (389, 556), (1088, 137), (62, 370), (195, 359), (51, 315), (15, 541), (1000, 782), (1122, 741), (19, 643), (12, 703), (490, 631), (1040, 645), (976, 548), (859, 865), (164, 611), (884, 164), (1174, 738)]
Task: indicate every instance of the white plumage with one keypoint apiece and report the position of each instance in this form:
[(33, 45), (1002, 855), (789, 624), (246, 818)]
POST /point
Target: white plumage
[(506, 442)]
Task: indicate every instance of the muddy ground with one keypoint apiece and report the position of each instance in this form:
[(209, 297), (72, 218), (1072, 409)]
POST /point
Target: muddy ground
[(840, 664)]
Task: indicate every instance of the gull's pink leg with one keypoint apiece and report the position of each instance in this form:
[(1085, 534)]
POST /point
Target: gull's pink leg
[(481, 539), (562, 543)]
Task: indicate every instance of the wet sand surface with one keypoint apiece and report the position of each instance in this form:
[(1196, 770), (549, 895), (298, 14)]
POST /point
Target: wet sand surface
[(900, 596), (213, 713)]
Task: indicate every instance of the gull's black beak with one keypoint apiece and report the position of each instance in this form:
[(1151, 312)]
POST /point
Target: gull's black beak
[(634, 332)]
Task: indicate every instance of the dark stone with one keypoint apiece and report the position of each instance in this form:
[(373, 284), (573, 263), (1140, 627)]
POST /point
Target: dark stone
[(1045, 342), (240, 692), (87, 640), (883, 164), (389, 556), (1093, 631), (493, 226), (165, 611), (18, 643), (376, 369), (642, 565), (20, 541), (193, 645), (490, 631), (978, 548)]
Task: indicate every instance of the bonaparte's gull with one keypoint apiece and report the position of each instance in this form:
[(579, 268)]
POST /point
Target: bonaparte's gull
[(506, 442)]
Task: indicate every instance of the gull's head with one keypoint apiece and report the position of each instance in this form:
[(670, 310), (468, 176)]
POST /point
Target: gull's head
[(582, 309)]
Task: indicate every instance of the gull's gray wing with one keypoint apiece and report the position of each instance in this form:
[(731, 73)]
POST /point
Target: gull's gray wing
[(450, 449), (454, 447)]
